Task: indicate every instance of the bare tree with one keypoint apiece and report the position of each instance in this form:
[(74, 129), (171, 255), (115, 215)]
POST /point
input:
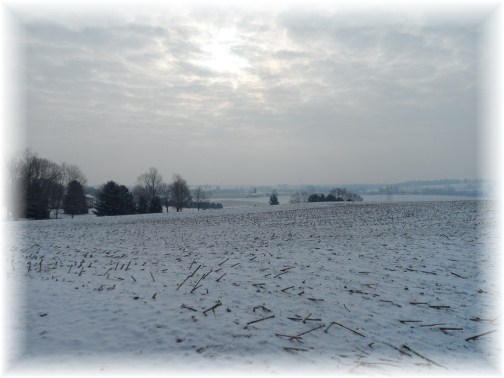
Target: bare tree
[(149, 185), (73, 173), (165, 194), (67, 174), (38, 185), (179, 192), (58, 190), (200, 197), (299, 197)]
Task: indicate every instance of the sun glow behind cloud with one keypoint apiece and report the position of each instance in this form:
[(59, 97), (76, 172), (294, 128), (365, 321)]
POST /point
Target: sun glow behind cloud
[(219, 55), (351, 87)]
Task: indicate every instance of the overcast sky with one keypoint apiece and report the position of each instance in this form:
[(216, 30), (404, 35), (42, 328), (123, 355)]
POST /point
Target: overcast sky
[(254, 95)]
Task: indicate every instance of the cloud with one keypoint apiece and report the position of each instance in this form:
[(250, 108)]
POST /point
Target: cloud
[(214, 78)]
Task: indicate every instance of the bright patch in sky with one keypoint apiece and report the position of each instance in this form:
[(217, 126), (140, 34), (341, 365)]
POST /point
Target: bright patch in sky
[(347, 96), (219, 55)]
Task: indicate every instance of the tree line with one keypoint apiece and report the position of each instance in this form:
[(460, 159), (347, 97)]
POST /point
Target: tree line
[(148, 196), (335, 195), (35, 186)]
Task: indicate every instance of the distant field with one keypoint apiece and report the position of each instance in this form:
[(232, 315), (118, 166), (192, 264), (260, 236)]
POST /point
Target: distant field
[(239, 201), (355, 288)]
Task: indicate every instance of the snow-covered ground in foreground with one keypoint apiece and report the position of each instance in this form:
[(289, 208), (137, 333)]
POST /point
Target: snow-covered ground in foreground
[(348, 288)]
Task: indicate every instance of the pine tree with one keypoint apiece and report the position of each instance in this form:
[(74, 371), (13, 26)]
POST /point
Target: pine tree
[(37, 204), (106, 199), (126, 201), (114, 199), (156, 206), (143, 207), (330, 198), (74, 201), (273, 200)]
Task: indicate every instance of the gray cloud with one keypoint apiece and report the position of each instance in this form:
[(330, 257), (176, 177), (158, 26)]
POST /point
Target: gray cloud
[(230, 87)]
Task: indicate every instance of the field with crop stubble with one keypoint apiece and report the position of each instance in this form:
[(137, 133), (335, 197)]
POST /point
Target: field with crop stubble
[(391, 288)]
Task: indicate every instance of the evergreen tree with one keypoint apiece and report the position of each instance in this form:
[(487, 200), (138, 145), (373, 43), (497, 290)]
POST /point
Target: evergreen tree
[(35, 182), (114, 199), (143, 207), (273, 200), (74, 201), (106, 199), (126, 201), (37, 204), (330, 198), (156, 206)]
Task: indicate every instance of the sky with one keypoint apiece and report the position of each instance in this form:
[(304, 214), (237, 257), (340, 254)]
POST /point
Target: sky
[(252, 94)]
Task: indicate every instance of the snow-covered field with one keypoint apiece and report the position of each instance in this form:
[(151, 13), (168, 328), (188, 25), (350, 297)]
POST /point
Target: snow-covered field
[(346, 288)]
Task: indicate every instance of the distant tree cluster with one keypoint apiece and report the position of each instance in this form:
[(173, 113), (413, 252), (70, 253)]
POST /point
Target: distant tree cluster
[(335, 195), (37, 185), (299, 197), (206, 205), (317, 198), (341, 194)]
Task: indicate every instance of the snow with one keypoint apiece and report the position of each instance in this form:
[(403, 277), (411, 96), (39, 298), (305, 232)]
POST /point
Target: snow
[(351, 287)]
